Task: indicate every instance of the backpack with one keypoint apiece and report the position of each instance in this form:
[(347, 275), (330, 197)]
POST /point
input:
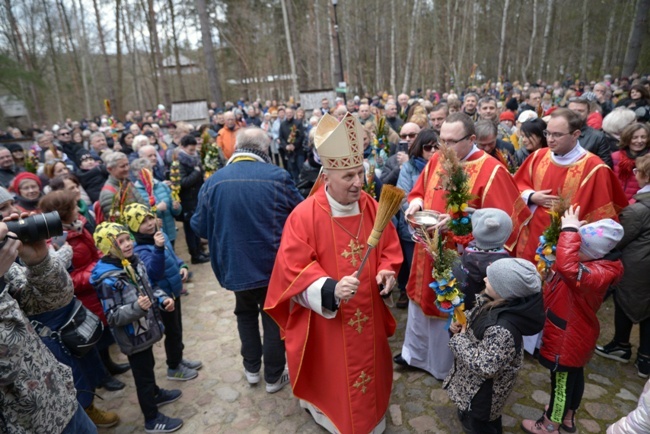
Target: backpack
[(97, 208)]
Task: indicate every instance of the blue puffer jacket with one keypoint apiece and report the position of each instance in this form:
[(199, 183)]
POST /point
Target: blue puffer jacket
[(241, 211), (408, 175), (162, 193), (171, 281)]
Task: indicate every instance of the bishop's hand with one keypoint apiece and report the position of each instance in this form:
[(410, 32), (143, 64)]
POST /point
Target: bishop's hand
[(347, 287)]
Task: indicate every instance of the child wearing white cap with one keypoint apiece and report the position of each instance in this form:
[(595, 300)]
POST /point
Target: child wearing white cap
[(488, 351), (584, 270)]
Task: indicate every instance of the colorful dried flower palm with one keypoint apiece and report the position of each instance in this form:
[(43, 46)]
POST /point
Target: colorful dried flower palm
[(545, 253), (455, 182), (381, 134), (369, 185), (175, 179)]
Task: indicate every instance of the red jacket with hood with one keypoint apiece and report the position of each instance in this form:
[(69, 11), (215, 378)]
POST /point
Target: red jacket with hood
[(571, 300)]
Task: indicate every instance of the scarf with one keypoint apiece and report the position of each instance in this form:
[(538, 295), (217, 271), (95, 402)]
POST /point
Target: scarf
[(627, 163), (189, 160), (28, 204), (75, 226), (418, 163), (258, 155), (143, 239)]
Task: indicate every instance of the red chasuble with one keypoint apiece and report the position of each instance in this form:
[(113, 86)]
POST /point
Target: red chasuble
[(492, 187), (588, 182), (341, 365)]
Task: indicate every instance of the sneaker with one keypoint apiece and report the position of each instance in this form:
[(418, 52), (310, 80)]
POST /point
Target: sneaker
[(403, 301), (642, 365), (192, 364), (101, 418), (615, 351), (162, 423), (167, 396), (278, 385), (181, 373), (184, 291), (252, 377)]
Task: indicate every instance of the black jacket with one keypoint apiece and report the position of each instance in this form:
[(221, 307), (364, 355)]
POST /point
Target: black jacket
[(191, 181), (594, 141), (93, 180), (285, 132)]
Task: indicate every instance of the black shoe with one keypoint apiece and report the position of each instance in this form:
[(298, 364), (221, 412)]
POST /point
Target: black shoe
[(112, 384), (117, 368), (615, 351), (400, 360), (643, 365), (403, 301), (201, 259)]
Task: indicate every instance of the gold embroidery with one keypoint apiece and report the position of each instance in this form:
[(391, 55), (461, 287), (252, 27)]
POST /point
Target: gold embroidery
[(355, 249), (357, 322), (362, 381)]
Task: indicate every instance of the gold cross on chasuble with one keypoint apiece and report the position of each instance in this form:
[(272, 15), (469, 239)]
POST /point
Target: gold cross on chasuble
[(362, 381), (358, 320), (355, 249)]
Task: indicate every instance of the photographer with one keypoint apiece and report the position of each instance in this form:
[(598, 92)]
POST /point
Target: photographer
[(390, 172), (37, 392)]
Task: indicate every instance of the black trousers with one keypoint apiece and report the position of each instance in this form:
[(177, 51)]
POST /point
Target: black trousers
[(623, 328), (173, 323), (193, 240), (472, 425), (567, 389), (142, 365), (248, 308)]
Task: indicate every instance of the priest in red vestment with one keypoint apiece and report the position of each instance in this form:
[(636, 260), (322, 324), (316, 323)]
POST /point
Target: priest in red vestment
[(568, 170), (426, 339), (335, 323)]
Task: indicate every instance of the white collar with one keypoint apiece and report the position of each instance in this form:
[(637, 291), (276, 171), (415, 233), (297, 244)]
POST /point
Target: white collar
[(340, 210), (645, 189), (570, 157), (474, 150)]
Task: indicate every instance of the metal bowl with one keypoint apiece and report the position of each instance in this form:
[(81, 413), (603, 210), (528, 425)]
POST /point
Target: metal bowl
[(423, 220)]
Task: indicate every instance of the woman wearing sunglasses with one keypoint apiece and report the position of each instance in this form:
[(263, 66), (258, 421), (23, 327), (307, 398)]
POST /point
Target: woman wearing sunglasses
[(424, 146)]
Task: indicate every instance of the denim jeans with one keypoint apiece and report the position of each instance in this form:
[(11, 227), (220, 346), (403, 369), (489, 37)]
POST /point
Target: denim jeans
[(248, 308), (80, 423)]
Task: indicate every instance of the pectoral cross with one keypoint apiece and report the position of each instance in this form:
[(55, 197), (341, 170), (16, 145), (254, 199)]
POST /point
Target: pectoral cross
[(358, 320), (362, 381), (355, 249)]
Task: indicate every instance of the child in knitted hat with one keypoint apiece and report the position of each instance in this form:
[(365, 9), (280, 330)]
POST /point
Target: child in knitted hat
[(488, 350), (153, 246), (491, 228), (584, 269), (132, 309)]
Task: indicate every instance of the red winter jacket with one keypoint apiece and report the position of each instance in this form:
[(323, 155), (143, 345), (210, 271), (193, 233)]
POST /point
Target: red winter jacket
[(85, 256), (571, 300)]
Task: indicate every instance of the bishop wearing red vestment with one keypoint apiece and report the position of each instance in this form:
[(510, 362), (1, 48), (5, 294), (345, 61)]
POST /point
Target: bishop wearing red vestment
[(565, 169), (491, 185), (335, 323)]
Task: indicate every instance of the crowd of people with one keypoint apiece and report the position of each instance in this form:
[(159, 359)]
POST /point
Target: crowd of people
[(120, 187)]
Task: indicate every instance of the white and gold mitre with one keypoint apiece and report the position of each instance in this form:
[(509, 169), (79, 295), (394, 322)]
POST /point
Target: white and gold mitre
[(339, 144)]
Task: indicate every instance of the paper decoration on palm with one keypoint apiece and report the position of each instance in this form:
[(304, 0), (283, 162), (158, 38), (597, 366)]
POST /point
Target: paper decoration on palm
[(146, 178), (545, 253), (369, 185), (116, 213), (455, 182), (381, 136), (449, 298), (175, 179), (31, 159)]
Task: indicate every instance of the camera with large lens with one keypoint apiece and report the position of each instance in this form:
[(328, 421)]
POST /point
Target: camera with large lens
[(36, 227)]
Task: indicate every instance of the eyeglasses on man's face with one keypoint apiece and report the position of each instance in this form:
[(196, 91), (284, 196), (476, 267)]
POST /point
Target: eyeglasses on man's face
[(555, 136), (452, 142)]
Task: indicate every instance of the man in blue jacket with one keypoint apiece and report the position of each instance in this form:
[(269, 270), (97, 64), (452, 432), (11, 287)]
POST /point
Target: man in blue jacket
[(241, 211)]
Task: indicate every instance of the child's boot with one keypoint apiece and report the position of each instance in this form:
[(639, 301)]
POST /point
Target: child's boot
[(543, 425), (643, 365), (101, 418)]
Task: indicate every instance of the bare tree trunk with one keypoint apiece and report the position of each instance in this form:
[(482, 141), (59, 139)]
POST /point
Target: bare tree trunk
[(177, 56), (55, 67), (543, 68), (377, 44), (84, 54), (119, 109), (292, 62), (153, 28), (531, 43), (107, 65), (332, 38), (618, 50), (129, 35), (608, 41), (319, 58), (502, 43), (411, 45), (69, 43), (393, 80), (475, 7), (637, 32), (585, 40), (208, 52)]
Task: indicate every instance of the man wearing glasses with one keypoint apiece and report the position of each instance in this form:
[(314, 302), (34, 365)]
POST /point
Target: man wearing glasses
[(565, 168), (390, 172), (425, 343), (64, 137)]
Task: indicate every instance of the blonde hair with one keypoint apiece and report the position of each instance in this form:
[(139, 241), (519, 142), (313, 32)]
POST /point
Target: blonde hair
[(643, 165)]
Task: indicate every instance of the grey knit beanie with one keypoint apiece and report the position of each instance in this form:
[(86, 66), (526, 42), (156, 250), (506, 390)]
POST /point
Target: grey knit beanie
[(491, 228), (5, 196), (514, 278)]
